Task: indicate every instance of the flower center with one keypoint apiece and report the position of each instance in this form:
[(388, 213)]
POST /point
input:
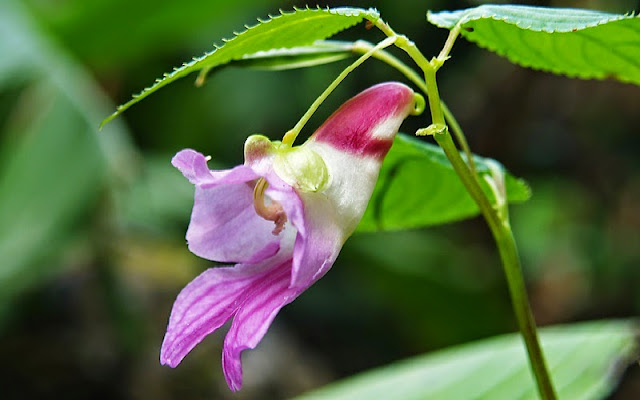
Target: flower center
[(273, 211)]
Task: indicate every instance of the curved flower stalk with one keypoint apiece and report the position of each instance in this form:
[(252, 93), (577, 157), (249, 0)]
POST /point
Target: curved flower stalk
[(282, 218)]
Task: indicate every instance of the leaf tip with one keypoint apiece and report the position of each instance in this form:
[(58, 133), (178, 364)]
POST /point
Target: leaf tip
[(107, 120)]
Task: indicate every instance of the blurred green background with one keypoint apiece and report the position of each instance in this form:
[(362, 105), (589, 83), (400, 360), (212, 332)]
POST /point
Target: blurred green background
[(92, 249)]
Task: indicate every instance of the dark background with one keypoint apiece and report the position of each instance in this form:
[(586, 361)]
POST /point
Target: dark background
[(85, 317)]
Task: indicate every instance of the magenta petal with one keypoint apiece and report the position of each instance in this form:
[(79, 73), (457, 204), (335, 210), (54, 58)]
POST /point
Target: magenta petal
[(224, 225), (193, 166), (204, 305), (266, 296), (353, 128)]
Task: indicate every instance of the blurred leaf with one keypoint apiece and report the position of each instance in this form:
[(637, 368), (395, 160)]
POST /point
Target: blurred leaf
[(301, 27), (586, 361), (577, 43), (418, 187), (161, 198), (47, 180), (97, 31), (53, 164)]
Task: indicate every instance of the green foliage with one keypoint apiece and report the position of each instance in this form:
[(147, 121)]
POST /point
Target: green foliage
[(97, 31), (54, 165), (586, 360), (577, 43), (418, 187), (301, 27)]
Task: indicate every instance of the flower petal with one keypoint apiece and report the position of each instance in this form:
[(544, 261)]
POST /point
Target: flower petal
[(224, 226), (193, 166), (318, 244), (352, 144), (366, 124), (204, 305), (264, 298), (319, 238)]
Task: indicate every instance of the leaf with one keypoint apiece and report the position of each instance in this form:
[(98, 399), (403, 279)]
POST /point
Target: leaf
[(418, 187), (301, 27), (49, 178), (321, 52), (586, 361), (577, 43), (53, 164)]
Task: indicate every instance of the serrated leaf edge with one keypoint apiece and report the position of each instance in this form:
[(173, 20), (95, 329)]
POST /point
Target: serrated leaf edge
[(169, 77), (491, 15)]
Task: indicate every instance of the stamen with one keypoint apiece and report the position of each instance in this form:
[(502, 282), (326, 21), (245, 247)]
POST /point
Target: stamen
[(272, 212)]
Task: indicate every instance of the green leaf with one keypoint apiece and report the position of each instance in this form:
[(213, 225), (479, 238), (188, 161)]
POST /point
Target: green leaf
[(418, 187), (53, 164), (319, 53), (586, 361), (301, 27), (577, 43)]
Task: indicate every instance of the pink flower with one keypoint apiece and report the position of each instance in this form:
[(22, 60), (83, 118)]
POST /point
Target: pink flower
[(282, 218)]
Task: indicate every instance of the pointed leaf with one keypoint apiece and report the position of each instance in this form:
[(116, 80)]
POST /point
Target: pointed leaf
[(301, 27), (586, 361), (418, 187), (577, 43)]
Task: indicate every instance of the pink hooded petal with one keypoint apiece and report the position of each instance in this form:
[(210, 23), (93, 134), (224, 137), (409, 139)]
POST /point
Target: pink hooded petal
[(205, 304), (264, 299), (352, 143), (224, 226), (366, 124)]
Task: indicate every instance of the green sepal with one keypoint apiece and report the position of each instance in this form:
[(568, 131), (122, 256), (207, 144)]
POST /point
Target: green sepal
[(301, 168)]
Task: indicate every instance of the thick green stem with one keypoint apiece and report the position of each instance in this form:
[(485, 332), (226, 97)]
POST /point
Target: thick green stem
[(498, 221), (459, 135), (437, 116), (506, 244)]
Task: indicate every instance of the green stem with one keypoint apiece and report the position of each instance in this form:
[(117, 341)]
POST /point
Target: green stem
[(437, 116), (506, 244), (498, 221), (448, 45), (459, 135), (362, 46), (291, 135)]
